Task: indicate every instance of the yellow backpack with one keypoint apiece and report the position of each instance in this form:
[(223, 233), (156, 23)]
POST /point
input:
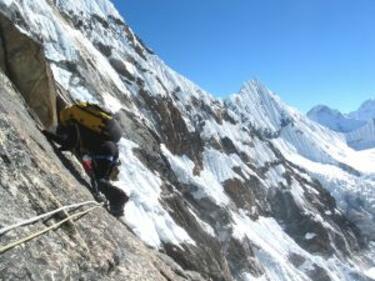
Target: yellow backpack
[(94, 118)]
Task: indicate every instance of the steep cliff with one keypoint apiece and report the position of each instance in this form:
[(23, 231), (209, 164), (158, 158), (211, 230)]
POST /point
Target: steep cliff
[(226, 190)]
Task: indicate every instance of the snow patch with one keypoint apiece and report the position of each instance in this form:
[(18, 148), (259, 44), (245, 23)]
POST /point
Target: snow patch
[(310, 236), (207, 182), (111, 103), (274, 248), (371, 273), (144, 213)]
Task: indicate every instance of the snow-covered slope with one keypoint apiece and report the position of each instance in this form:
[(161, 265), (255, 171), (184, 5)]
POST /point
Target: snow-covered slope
[(357, 126), (227, 189)]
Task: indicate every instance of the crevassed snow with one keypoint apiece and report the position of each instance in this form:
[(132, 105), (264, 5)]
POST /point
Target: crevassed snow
[(274, 248), (355, 195), (143, 213)]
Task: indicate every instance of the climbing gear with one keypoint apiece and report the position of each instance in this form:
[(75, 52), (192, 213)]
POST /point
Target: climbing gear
[(112, 166), (116, 210), (94, 118), (117, 198), (37, 218), (99, 197), (52, 227), (113, 176), (88, 164)]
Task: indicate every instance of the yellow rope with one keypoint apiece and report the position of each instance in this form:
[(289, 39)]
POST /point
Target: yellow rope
[(39, 233)]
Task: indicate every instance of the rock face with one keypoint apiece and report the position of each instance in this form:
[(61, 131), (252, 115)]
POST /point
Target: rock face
[(33, 180), (236, 190), (24, 62)]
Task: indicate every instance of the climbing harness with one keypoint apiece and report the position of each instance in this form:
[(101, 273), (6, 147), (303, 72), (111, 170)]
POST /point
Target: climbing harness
[(52, 227)]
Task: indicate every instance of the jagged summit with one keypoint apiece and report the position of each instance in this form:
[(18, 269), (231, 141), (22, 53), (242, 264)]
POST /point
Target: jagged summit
[(256, 87), (256, 103)]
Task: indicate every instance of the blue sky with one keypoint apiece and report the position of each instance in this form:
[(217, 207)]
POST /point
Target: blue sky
[(307, 51)]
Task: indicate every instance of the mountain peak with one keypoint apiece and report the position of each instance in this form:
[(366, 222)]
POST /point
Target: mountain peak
[(365, 112), (323, 109), (367, 103), (333, 119), (253, 91), (253, 85)]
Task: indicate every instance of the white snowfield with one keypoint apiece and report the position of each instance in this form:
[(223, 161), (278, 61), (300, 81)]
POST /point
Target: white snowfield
[(347, 174)]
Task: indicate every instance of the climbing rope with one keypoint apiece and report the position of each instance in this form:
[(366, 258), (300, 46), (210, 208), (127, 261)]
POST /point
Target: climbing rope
[(52, 227), (37, 218)]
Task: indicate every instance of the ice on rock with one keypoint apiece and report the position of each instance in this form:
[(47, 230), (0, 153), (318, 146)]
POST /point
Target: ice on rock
[(144, 213)]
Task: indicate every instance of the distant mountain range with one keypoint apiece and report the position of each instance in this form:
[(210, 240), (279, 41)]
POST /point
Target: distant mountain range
[(358, 126)]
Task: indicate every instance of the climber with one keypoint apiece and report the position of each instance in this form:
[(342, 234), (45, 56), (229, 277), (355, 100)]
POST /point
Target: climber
[(92, 135)]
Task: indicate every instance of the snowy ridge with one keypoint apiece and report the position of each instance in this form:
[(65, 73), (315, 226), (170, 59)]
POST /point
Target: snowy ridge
[(211, 168), (101, 8)]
